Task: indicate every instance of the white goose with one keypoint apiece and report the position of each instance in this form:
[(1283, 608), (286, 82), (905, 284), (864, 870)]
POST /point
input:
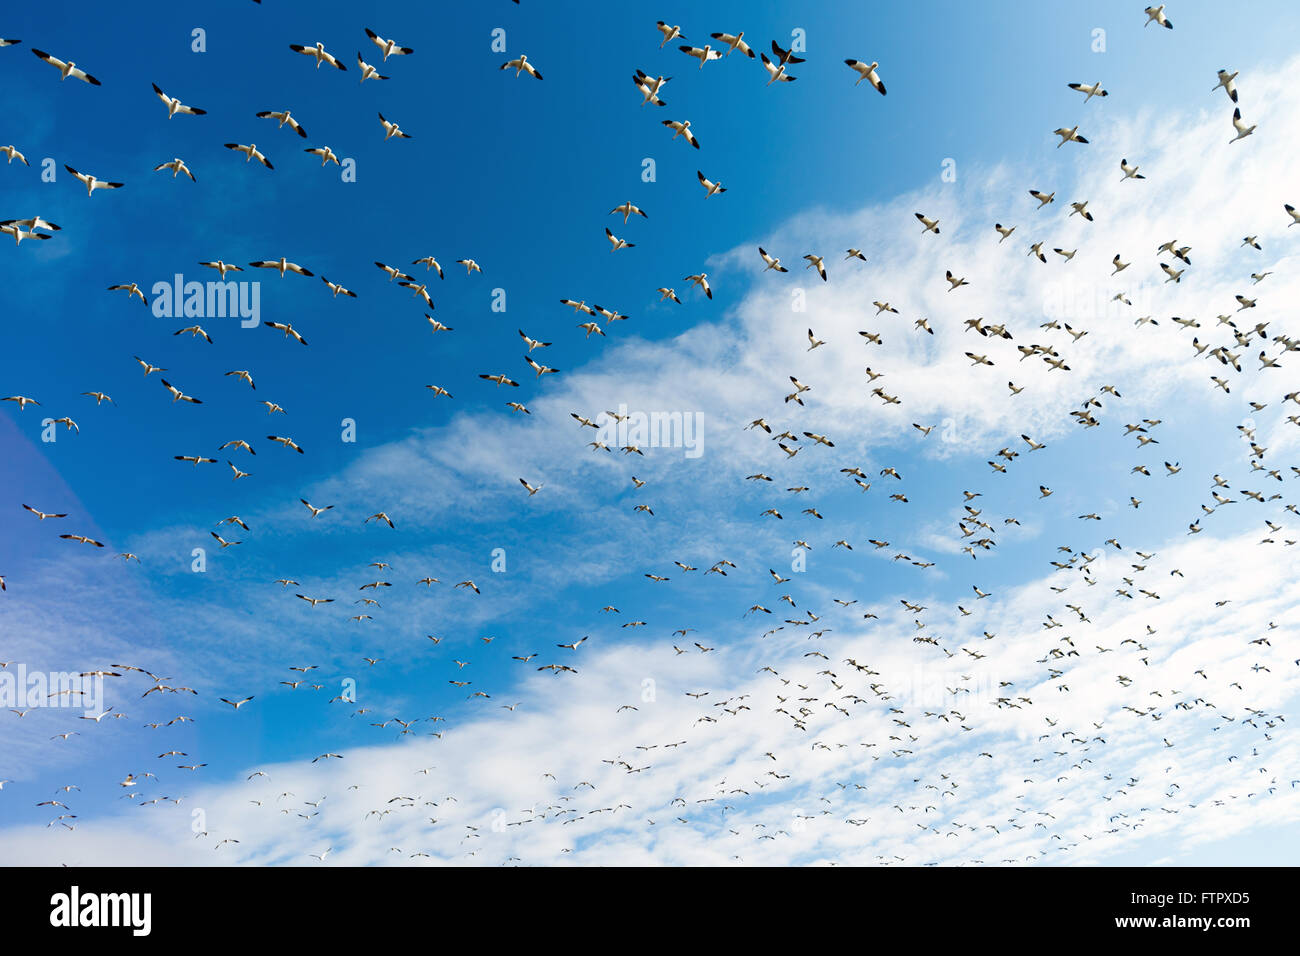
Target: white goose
[(12, 153), (650, 87), (1070, 135), (367, 71), (710, 187), (628, 209), (325, 153), (1226, 81), (702, 280), (251, 152), (1089, 91), (68, 69), (283, 118), (91, 182), (222, 267), (177, 166), (1242, 129), (682, 128), (704, 54), (392, 129), (867, 71), (669, 32), (175, 106), (319, 52), (281, 265), (521, 65), (776, 72), (734, 42), (1157, 14), (772, 262), (387, 47), (19, 233), (616, 243), (429, 262)]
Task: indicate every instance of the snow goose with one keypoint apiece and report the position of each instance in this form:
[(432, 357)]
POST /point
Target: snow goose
[(177, 166), (251, 152), (928, 225), (1070, 135), (286, 442), (1226, 81), (392, 129), (222, 267), (669, 32), (1293, 213), (1157, 14), (628, 209), (178, 395), (1130, 172), (281, 265), (393, 272), (772, 262), (710, 187), (1042, 197), (1080, 208), (785, 56), (68, 69), (421, 290), (429, 262), (19, 233), (91, 182), (867, 71), (175, 106), (367, 71), (1242, 129), (650, 87), (283, 118), (540, 369), (320, 54), (532, 343), (816, 262), (131, 289), (12, 153), (734, 42), (521, 65), (682, 128), (776, 72), (470, 266), (337, 289), (704, 54), (616, 243), (387, 47), (326, 154), (287, 329), (1089, 91), (666, 293), (1003, 231), (702, 280)]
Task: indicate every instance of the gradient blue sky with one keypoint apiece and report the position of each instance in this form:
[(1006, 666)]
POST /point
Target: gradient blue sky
[(520, 175)]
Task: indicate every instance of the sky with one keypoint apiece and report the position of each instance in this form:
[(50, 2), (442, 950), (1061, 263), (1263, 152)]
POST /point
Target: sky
[(974, 717)]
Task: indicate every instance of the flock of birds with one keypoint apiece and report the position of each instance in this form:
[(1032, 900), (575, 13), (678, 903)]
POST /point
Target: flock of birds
[(844, 689)]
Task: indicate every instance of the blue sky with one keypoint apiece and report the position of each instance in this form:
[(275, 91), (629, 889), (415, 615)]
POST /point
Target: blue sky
[(519, 176)]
